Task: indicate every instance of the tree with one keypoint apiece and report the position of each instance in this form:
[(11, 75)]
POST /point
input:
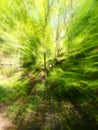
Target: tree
[(56, 42)]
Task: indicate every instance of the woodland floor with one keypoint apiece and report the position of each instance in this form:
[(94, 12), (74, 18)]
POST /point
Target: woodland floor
[(50, 114), (5, 123)]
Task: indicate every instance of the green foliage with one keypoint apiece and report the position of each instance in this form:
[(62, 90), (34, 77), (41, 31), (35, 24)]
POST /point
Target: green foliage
[(3, 93), (66, 33)]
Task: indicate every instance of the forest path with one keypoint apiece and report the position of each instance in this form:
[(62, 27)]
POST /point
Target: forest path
[(5, 123)]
